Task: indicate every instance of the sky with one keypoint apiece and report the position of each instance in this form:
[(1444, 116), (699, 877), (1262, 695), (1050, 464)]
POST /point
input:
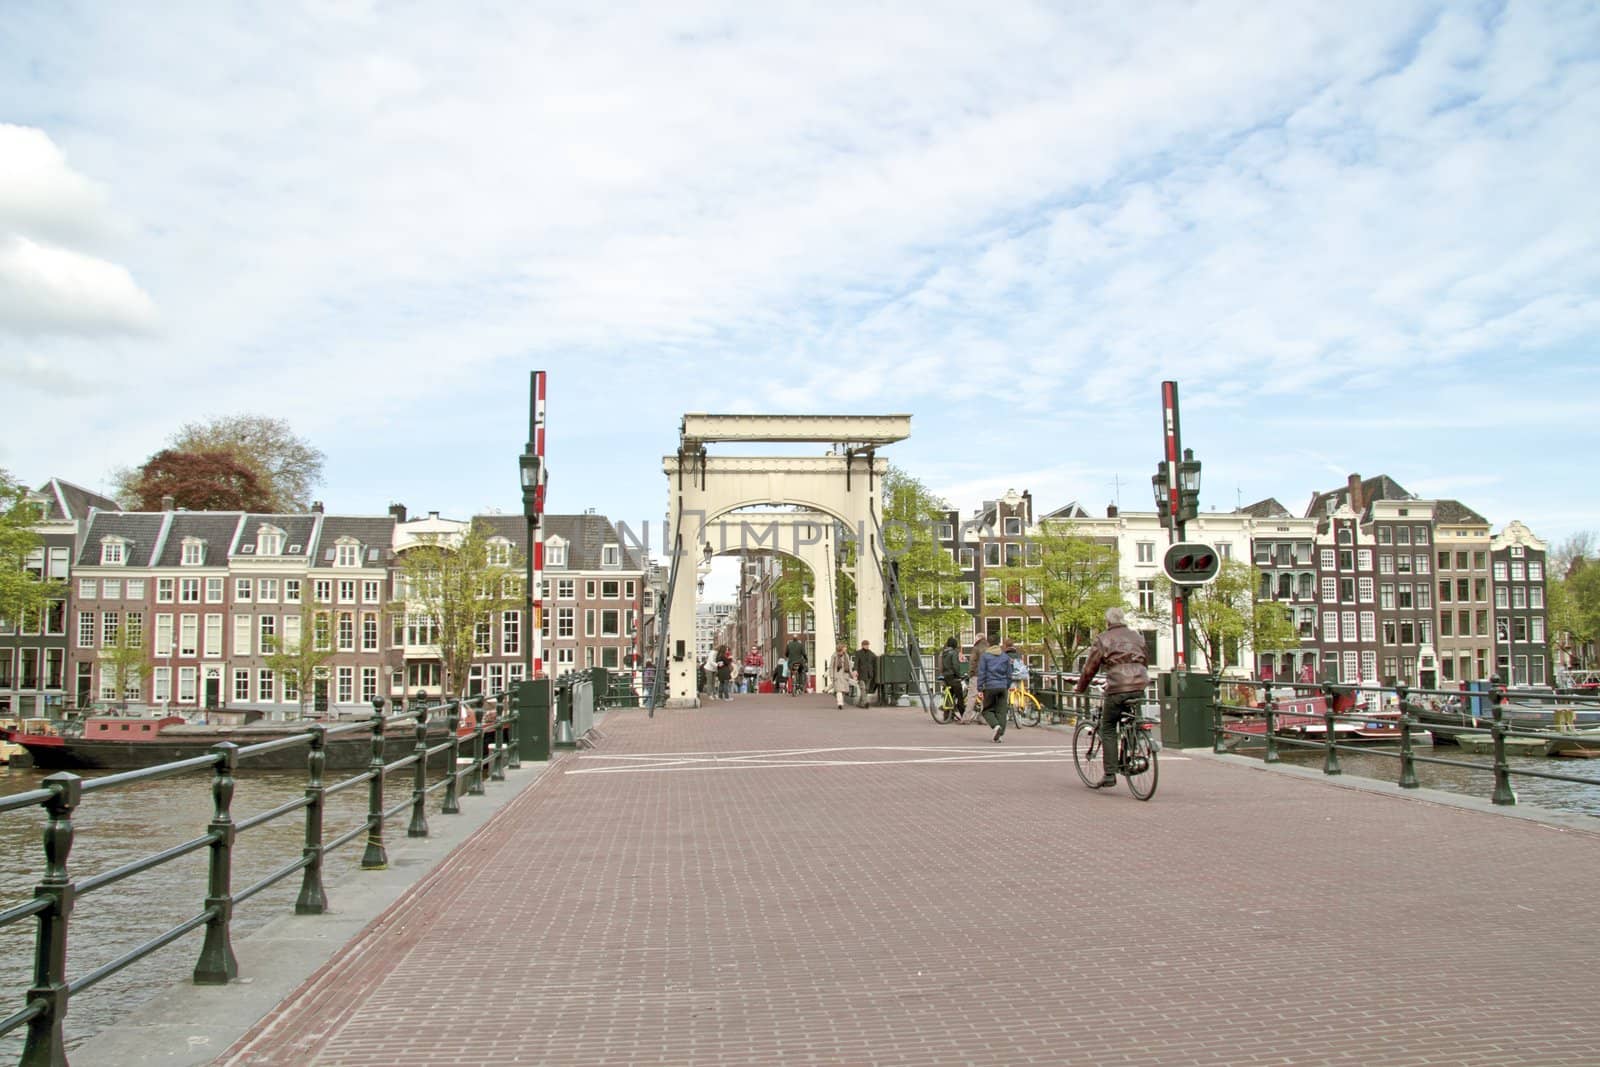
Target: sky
[(1362, 237)]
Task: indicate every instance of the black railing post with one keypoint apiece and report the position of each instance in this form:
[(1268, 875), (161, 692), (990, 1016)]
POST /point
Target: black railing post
[(46, 1044), (1408, 761), (1271, 708), (1217, 736), (497, 762), (375, 857), (452, 782), (312, 900), (475, 785), (513, 728), (217, 964), (1503, 793), (419, 779), (1330, 759)]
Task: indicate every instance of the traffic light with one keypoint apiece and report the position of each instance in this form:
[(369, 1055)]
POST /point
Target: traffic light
[(1191, 563)]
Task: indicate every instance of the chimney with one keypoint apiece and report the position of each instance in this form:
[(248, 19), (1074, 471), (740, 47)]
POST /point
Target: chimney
[(1111, 511), (167, 503), (1357, 505), (316, 507), (398, 511)]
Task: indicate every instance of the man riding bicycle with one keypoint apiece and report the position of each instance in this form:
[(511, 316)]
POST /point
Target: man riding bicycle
[(1125, 657), (950, 671)]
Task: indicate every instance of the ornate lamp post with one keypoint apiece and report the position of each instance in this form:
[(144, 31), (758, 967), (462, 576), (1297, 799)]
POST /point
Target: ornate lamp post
[(530, 470)]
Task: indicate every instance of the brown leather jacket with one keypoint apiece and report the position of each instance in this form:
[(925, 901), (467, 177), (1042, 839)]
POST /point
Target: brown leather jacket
[(1122, 653)]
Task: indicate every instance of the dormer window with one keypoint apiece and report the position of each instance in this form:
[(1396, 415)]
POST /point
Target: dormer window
[(269, 541), (498, 552), (610, 556), (555, 554), (194, 552), (113, 552), (347, 553)]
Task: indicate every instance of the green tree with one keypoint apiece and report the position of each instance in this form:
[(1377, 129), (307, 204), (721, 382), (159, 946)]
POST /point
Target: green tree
[(1074, 579), (1581, 607), (23, 590), (300, 658), (1225, 617), (284, 467), (929, 580), (459, 584), (126, 664)]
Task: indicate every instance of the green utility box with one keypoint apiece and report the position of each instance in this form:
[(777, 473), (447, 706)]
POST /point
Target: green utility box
[(894, 675), (533, 719), (1186, 712)]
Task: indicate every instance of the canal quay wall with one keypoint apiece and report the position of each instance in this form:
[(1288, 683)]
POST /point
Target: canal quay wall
[(187, 1024)]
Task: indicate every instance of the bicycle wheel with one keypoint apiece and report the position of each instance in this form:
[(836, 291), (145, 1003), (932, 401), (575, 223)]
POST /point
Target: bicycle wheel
[(1027, 708), (1140, 767), (944, 709), (1086, 753)]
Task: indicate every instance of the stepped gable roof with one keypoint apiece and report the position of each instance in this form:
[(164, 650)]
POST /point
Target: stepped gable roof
[(1265, 509), (374, 533), (1455, 513), (1381, 487), (298, 530), (140, 529), (215, 528), (63, 500)]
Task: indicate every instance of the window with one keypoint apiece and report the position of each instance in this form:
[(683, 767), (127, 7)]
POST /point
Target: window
[(1385, 564), (421, 630), (164, 590), (1384, 537), (1328, 559), (1364, 559), (1369, 626), (1402, 535), (85, 629), (213, 590), (1516, 551), (1422, 535), (194, 552), (243, 590), (267, 591), (345, 685), (588, 622), (265, 685), (1447, 627), (991, 554), (566, 622), (1389, 632), (1351, 672), (1330, 626), (1366, 590), (1502, 599), (1479, 560), (588, 590), (1402, 564), (1347, 590), (511, 633), (1480, 589), (1535, 571), (1423, 563), (1347, 622), (1405, 601), (1444, 561), (1425, 597), (369, 684), (566, 588), (269, 541), (347, 631), (369, 631), (370, 589), (241, 686), (610, 590), (347, 554), (291, 590), (967, 559), (967, 595), (555, 554), (1013, 526), (322, 590), (88, 588), (1536, 596), (1263, 554), (1425, 631), (189, 591), (1519, 596), (1369, 666), (1461, 561), (241, 635), (111, 552), (321, 632), (610, 556), (290, 641), (1444, 591), (1408, 632), (347, 591), (161, 685), (1499, 570), (1330, 590), (110, 623), (1147, 595), (1147, 551), (497, 553), (1347, 560), (267, 629), (187, 678)]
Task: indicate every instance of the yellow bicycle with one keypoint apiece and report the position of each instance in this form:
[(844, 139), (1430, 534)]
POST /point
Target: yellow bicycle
[(1025, 707)]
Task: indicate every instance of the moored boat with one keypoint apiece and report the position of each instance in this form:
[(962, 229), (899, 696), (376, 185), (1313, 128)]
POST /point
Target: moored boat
[(114, 742)]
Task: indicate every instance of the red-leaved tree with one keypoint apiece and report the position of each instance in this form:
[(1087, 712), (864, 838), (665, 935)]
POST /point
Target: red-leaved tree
[(199, 481)]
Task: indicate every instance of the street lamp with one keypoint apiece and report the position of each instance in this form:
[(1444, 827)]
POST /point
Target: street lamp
[(1502, 629), (1158, 482), (1189, 485)]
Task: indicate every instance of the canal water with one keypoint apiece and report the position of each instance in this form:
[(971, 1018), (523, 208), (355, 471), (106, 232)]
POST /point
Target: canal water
[(1382, 762), (124, 824)]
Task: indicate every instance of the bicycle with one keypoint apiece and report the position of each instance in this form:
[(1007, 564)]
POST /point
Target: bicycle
[(797, 679), (1025, 707), (947, 708), (1136, 751)]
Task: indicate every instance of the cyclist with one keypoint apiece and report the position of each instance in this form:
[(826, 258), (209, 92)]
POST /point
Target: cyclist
[(1019, 667), (950, 672), (1124, 656), (795, 653), (993, 681)]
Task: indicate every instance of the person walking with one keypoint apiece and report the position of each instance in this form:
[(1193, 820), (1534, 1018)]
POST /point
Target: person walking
[(978, 645), (780, 674), (725, 672), (795, 653), (950, 671), (844, 673), (1126, 659), (994, 679), (866, 673)]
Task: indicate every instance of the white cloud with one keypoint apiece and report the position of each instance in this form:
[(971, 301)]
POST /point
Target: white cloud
[(44, 289)]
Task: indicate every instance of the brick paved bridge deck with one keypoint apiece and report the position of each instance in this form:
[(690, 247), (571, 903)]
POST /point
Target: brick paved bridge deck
[(775, 881)]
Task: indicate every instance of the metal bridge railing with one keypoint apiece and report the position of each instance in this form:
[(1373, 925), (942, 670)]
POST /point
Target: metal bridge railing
[(1482, 714), (492, 744)]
